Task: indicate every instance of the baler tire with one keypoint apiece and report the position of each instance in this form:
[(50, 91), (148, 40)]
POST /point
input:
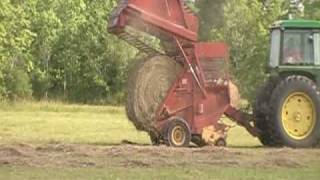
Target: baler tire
[(197, 140), (177, 133), (285, 92), (221, 143), (261, 109), (148, 83), (155, 139)]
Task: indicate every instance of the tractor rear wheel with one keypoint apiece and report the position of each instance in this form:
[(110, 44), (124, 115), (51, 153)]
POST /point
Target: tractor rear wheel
[(294, 116), (261, 109), (148, 83)]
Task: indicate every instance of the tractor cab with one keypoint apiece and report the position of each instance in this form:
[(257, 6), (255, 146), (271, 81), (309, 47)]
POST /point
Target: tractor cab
[(295, 44)]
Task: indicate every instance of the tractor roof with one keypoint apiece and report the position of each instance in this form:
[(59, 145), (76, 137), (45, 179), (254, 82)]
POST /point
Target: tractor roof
[(303, 24)]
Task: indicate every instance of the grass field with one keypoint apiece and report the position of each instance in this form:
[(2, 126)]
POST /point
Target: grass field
[(54, 123), (56, 141), (101, 125)]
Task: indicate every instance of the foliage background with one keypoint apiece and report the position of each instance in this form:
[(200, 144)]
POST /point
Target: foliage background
[(60, 49)]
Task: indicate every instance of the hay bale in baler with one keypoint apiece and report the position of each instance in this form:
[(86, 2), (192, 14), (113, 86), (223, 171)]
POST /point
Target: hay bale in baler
[(148, 83)]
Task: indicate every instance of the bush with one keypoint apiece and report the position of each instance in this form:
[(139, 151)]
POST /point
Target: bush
[(17, 83)]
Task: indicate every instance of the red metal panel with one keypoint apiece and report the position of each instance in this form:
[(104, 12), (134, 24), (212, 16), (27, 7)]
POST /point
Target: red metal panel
[(165, 25), (211, 50), (213, 108), (166, 17), (185, 100), (170, 10)]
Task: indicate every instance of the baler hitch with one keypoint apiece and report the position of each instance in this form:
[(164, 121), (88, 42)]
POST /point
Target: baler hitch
[(243, 119)]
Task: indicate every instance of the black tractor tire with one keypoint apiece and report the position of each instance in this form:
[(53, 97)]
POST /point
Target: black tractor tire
[(261, 109), (177, 133), (282, 94)]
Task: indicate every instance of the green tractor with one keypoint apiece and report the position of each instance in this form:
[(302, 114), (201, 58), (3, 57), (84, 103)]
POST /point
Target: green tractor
[(287, 108)]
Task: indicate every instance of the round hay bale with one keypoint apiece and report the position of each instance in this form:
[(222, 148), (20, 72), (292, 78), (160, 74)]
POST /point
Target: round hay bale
[(148, 83)]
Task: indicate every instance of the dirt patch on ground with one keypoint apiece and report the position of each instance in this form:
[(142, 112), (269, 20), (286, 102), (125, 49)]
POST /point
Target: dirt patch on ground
[(70, 155)]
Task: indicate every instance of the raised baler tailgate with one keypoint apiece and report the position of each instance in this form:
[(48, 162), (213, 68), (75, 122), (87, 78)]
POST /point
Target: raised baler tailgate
[(163, 19)]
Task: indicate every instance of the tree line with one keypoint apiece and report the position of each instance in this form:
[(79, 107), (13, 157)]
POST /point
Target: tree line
[(60, 49)]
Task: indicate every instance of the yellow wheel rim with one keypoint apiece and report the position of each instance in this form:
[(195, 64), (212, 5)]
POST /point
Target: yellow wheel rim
[(298, 115), (178, 136)]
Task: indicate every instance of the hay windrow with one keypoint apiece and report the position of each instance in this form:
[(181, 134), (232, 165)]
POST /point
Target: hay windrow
[(148, 83), (124, 156)]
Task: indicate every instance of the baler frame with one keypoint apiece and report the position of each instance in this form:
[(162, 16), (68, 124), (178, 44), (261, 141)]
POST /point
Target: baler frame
[(200, 102)]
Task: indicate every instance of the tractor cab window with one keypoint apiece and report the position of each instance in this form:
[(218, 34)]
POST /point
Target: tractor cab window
[(298, 47), (317, 48), (275, 47)]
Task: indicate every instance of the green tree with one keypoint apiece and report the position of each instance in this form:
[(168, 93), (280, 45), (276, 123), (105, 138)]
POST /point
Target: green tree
[(61, 48), (64, 48), (211, 15), (15, 55), (312, 10), (75, 56)]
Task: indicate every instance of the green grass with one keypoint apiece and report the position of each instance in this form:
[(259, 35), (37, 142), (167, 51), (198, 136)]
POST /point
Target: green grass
[(17, 173), (50, 122), (43, 123)]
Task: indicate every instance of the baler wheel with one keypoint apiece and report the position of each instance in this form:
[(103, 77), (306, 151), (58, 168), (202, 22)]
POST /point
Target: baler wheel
[(177, 133), (221, 143), (197, 140), (148, 83)]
